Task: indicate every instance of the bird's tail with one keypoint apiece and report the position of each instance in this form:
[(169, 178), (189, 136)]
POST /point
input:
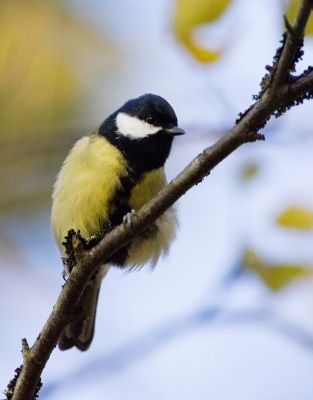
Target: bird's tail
[(79, 333)]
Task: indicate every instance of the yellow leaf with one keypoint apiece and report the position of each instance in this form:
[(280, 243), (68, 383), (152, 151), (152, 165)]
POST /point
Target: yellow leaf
[(296, 218), (275, 276), (201, 54), (188, 15), (291, 12)]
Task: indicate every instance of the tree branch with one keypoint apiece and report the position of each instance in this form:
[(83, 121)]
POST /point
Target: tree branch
[(278, 93), (291, 50)]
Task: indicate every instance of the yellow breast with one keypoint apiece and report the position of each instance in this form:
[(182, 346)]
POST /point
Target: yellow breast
[(149, 249), (87, 181), (147, 187)]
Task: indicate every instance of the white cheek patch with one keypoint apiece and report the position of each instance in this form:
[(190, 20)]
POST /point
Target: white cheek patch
[(134, 127)]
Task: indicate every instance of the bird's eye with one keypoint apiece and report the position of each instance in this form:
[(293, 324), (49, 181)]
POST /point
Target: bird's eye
[(150, 120)]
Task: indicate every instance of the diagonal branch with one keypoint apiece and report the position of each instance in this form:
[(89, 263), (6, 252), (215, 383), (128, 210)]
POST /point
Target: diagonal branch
[(288, 91)]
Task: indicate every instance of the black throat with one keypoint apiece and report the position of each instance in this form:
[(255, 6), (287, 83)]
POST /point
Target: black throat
[(142, 155)]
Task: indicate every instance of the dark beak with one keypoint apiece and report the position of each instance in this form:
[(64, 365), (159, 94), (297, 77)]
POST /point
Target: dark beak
[(175, 131)]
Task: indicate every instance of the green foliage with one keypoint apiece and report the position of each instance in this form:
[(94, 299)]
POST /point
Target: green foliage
[(42, 46)]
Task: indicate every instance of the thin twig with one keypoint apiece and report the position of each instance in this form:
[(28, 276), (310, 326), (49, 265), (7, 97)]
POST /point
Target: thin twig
[(292, 46), (286, 93)]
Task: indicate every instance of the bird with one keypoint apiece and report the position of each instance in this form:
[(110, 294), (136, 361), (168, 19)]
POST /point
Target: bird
[(107, 176)]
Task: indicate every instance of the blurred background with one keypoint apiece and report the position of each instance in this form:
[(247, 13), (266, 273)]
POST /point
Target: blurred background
[(229, 313)]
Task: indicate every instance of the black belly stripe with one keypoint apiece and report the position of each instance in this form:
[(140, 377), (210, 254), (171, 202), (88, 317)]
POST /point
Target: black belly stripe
[(119, 207), (119, 204)]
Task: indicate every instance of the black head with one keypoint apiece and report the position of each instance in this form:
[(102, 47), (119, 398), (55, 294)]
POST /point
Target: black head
[(143, 129), (148, 113)]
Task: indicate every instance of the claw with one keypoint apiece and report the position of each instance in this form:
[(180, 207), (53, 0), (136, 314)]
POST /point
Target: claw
[(66, 271), (127, 219)]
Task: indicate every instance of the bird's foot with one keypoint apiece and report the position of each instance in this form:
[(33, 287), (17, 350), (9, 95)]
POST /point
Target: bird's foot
[(129, 217)]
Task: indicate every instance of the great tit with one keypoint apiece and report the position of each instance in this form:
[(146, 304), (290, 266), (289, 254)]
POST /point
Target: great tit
[(115, 170)]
